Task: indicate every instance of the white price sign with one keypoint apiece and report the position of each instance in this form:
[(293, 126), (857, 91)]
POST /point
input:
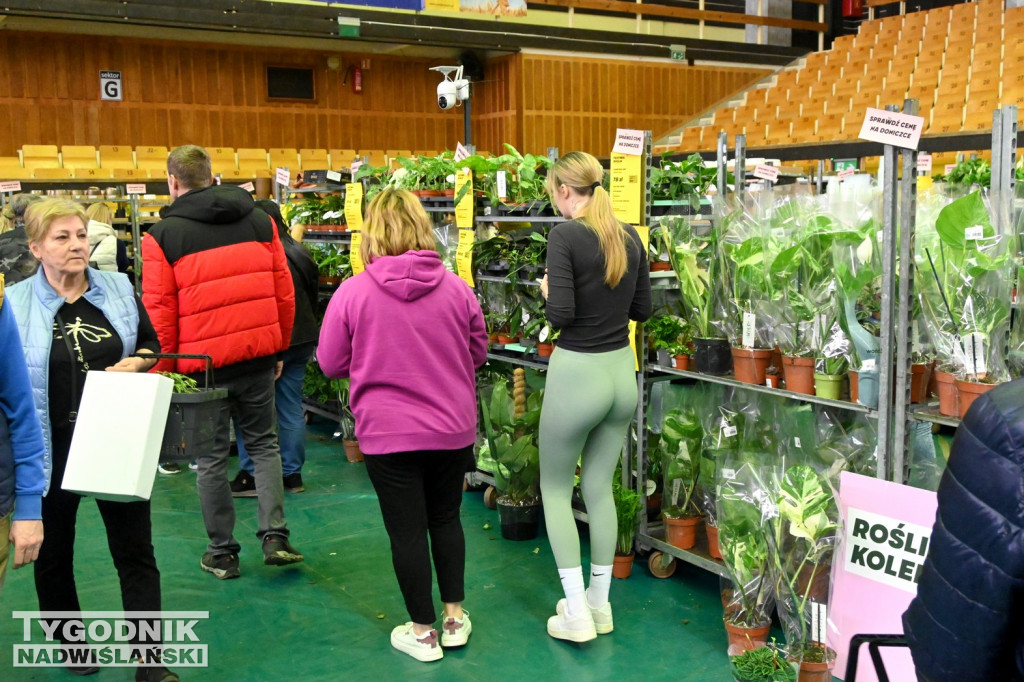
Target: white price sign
[(974, 232), (890, 127), (628, 141), (10, 186), (947, 169), (749, 325), (924, 164), (729, 431), (333, 176), (502, 183), (765, 172), (843, 174), (354, 167), (248, 187), (135, 188), (283, 177)]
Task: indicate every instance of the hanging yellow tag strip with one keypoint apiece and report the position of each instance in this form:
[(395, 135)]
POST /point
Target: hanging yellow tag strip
[(464, 256), (464, 209), (354, 206), (626, 187), (355, 253), (644, 233)]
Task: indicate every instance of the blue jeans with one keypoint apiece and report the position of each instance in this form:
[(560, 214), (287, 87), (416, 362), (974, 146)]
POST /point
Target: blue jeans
[(291, 422)]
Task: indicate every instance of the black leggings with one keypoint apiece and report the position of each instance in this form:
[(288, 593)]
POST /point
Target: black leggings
[(419, 493), (129, 538)]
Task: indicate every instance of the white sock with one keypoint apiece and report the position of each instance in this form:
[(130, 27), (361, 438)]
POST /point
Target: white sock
[(600, 582), (575, 596)]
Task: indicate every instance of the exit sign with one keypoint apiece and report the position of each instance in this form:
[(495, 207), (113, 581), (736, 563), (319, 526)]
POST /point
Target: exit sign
[(678, 52)]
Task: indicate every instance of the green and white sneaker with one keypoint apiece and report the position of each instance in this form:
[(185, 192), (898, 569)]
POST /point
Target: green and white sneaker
[(456, 631), (422, 647), (602, 615), (571, 628)]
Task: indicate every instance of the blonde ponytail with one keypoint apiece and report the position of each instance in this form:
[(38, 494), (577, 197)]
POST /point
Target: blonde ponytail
[(583, 173)]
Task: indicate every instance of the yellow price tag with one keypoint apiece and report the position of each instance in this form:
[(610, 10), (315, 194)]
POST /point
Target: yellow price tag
[(626, 187), (464, 256), (464, 209), (356, 254), (354, 206)]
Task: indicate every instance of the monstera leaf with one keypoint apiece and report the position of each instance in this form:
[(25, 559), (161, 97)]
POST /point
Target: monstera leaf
[(804, 504)]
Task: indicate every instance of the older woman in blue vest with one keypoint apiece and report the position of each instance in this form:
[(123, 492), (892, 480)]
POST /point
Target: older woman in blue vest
[(73, 318)]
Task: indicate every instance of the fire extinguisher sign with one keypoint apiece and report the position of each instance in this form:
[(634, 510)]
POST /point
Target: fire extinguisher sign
[(110, 86)]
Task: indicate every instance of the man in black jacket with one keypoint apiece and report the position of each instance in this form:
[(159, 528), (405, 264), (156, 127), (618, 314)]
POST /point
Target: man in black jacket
[(291, 424), (967, 621)]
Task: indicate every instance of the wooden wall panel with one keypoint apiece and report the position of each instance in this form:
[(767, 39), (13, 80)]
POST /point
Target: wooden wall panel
[(177, 93), (578, 103)]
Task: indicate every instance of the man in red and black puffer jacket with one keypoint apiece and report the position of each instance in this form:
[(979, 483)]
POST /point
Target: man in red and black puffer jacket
[(217, 283)]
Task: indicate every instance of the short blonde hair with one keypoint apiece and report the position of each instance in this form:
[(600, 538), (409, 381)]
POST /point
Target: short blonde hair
[(99, 212), (395, 222), (40, 215)]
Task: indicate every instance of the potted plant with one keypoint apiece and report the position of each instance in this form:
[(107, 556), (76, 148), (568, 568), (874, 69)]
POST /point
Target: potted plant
[(347, 422), (627, 512), (697, 264), (831, 357), (802, 539), (668, 333), (333, 263), (678, 187), (747, 596), (764, 664), (680, 444), (193, 419), (510, 425)]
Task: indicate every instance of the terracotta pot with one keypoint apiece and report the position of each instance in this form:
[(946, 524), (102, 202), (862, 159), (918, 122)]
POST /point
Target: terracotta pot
[(714, 549), (505, 339), (330, 281), (493, 338), (968, 392), (681, 362), (750, 364), (660, 266), (545, 350), (447, 193), (799, 374), (818, 671), (772, 380), (352, 451), (948, 398), (681, 533), (854, 376), (746, 639), (919, 378), (623, 566), (933, 382), (828, 385)]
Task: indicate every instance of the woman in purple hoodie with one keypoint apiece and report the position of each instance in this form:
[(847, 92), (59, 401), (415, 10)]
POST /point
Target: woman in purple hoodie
[(410, 335)]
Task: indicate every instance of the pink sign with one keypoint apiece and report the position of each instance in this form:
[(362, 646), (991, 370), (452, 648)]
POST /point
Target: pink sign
[(886, 531)]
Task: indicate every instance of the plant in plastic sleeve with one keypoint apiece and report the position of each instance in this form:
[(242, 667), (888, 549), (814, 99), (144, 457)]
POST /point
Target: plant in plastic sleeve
[(832, 348), (747, 593), (681, 434), (801, 542), (693, 250), (746, 248), (720, 441)]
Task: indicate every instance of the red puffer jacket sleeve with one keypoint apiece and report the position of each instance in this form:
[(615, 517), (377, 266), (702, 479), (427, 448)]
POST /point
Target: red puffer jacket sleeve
[(160, 297), (284, 291)]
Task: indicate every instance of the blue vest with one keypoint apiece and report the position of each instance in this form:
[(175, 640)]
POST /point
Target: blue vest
[(35, 305)]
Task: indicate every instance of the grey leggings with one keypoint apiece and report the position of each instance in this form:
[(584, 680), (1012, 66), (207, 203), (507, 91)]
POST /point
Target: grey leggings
[(589, 400)]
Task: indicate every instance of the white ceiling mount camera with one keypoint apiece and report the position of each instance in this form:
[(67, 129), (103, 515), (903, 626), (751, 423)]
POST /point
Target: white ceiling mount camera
[(453, 89)]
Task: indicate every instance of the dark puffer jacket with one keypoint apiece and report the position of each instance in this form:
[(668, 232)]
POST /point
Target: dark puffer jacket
[(967, 621)]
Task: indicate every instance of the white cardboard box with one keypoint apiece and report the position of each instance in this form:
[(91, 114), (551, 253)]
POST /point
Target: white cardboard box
[(116, 445)]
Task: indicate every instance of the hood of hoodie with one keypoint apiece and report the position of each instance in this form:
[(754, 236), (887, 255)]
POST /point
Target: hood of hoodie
[(98, 232), (410, 276), (216, 204)]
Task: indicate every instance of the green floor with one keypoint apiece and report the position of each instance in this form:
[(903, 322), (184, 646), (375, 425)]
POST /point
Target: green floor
[(329, 618)]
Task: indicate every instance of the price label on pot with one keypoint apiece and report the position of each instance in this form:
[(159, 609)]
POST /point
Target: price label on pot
[(676, 487), (765, 172), (729, 431), (354, 206), (502, 184), (796, 442), (975, 359), (749, 325), (464, 257), (868, 364), (10, 186), (355, 253), (819, 619), (974, 232), (650, 486), (464, 209)]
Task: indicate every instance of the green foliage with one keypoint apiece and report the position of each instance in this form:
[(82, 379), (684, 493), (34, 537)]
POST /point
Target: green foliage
[(693, 250), (670, 333), (513, 444), (680, 451), (182, 383), (971, 172), (332, 260), (764, 664), (686, 179), (627, 511)]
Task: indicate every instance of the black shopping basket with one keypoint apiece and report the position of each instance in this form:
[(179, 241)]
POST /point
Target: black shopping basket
[(193, 419), (874, 642)]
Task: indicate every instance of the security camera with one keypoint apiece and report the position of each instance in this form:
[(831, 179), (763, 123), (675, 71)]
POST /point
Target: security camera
[(447, 94), (452, 90)]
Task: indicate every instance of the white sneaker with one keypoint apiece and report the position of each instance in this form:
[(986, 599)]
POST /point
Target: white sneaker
[(602, 616), (422, 648), (572, 628), (456, 631)]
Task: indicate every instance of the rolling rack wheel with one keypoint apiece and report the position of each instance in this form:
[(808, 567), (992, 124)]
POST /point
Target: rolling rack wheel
[(491, 497), (661, 565)]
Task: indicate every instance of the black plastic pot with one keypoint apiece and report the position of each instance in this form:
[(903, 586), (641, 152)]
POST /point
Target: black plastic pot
[(193, 421), (519, 522), (712, 356)]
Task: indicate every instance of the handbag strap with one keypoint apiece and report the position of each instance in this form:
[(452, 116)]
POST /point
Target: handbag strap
[(73, 413)]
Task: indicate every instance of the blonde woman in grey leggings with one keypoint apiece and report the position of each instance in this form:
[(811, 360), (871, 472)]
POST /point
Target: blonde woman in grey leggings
[(597, 280)]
